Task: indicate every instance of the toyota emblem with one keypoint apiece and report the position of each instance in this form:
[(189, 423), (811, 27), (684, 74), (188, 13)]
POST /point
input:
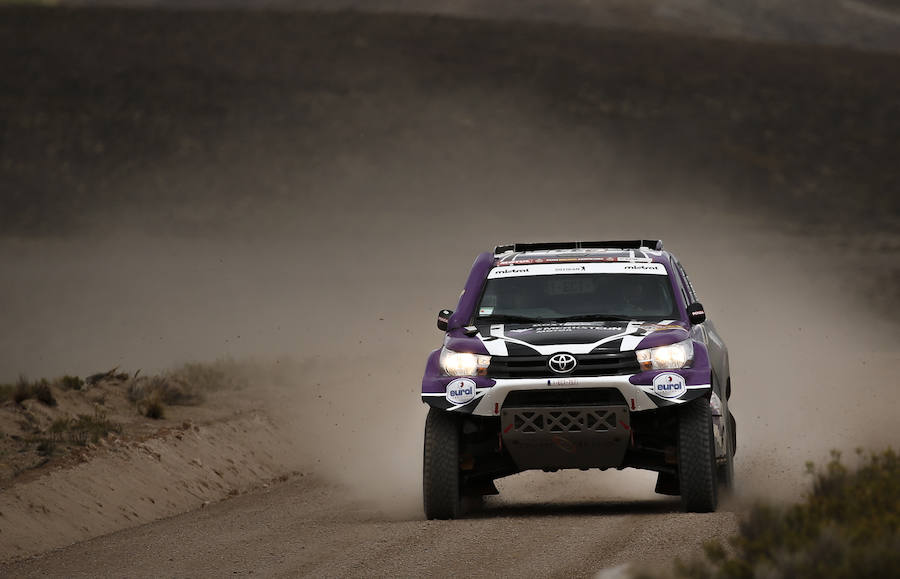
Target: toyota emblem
[(562, 363)]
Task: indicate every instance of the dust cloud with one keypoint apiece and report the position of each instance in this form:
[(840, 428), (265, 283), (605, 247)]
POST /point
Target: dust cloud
[(319, 228)]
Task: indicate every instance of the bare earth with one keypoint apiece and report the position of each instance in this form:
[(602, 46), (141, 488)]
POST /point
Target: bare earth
[(308, 189)]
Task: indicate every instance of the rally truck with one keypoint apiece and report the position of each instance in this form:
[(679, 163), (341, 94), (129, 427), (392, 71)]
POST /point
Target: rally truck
[(577, 355)]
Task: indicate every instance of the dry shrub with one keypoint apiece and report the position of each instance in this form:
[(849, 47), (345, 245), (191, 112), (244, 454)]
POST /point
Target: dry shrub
[(82, 429), (169, 390), (22, 391), (209, 377), (153, 408), (86, 428), (42, 393), (848, 527), (39, 390)]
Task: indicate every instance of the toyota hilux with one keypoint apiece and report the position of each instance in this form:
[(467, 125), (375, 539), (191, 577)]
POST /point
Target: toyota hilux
[(577, 355)]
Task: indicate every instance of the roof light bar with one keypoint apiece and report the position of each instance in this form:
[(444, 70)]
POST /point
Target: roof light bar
[(655, 244)]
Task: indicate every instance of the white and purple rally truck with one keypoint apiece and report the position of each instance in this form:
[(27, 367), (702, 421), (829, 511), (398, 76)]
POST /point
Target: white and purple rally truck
[(586, 354)]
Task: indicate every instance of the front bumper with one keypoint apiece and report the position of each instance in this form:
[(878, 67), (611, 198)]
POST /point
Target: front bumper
[(490, 394)]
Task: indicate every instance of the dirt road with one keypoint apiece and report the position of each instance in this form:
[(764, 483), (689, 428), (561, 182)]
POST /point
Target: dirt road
[(304, 528), (315, 186)]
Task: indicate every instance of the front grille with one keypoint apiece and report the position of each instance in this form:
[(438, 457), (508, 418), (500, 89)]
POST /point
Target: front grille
[(594, 364), (563, 421)]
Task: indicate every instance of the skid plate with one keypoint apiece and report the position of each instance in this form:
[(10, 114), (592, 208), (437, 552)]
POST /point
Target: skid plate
[(552, 437)]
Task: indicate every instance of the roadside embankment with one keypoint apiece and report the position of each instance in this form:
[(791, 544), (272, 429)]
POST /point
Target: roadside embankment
[(129, 483)]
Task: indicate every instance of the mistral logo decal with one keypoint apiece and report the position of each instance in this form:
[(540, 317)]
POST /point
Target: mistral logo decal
[(669, 385), (460, 391), (511, 270)]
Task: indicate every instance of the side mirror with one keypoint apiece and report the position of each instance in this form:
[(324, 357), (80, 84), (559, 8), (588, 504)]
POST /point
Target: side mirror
[(696, 313), (443, 319)]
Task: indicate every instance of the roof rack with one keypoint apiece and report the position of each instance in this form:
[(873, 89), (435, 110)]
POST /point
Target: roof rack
[(655, 244)]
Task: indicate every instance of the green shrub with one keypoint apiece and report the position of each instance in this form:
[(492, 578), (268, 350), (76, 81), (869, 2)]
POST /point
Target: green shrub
[(71, 382), (848, 526)]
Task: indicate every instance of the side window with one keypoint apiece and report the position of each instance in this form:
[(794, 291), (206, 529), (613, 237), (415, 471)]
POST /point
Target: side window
[(690, 287), (682, 284)]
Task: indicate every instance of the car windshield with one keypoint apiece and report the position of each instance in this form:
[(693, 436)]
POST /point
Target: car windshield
[(577, 297)]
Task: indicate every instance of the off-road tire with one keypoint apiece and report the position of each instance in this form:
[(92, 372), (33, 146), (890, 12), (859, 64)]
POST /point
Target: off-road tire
[(697, 457), (440, 466)]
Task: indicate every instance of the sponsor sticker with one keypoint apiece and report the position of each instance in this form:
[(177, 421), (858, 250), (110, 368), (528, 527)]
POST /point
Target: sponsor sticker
[(573, 327), (460, 391), (660, 327), (570, 269), (485, 311), (562, 381), (500, 272), (580, 267), (669, 385)]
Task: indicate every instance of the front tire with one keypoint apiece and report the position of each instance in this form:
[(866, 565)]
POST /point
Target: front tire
[(697, 458), (440, 466)]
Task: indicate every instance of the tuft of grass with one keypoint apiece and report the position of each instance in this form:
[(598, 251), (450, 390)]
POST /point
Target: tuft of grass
[(6, 392), (39, 390), (42, 393), (847, 527), (80, 430), (70, 382), (86, 427), (59, 427), (22, 390), (153, 408)]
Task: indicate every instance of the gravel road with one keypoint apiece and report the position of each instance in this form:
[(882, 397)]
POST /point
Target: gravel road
[(307, 529)]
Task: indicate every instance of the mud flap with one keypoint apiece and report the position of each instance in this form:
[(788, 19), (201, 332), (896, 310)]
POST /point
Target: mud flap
[(485, 488), (667, 484)]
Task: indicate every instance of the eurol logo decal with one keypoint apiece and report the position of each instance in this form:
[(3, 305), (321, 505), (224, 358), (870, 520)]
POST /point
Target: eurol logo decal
[(460, 391), (669, 385)]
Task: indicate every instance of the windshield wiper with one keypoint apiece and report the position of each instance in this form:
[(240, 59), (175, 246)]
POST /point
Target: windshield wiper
[(505, 318), (595, 318)]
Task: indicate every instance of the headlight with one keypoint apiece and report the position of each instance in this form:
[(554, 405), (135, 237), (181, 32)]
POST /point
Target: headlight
[(463, 363), (677, 355)]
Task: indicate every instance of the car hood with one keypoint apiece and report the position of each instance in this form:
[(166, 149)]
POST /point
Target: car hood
[(577, 337)]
